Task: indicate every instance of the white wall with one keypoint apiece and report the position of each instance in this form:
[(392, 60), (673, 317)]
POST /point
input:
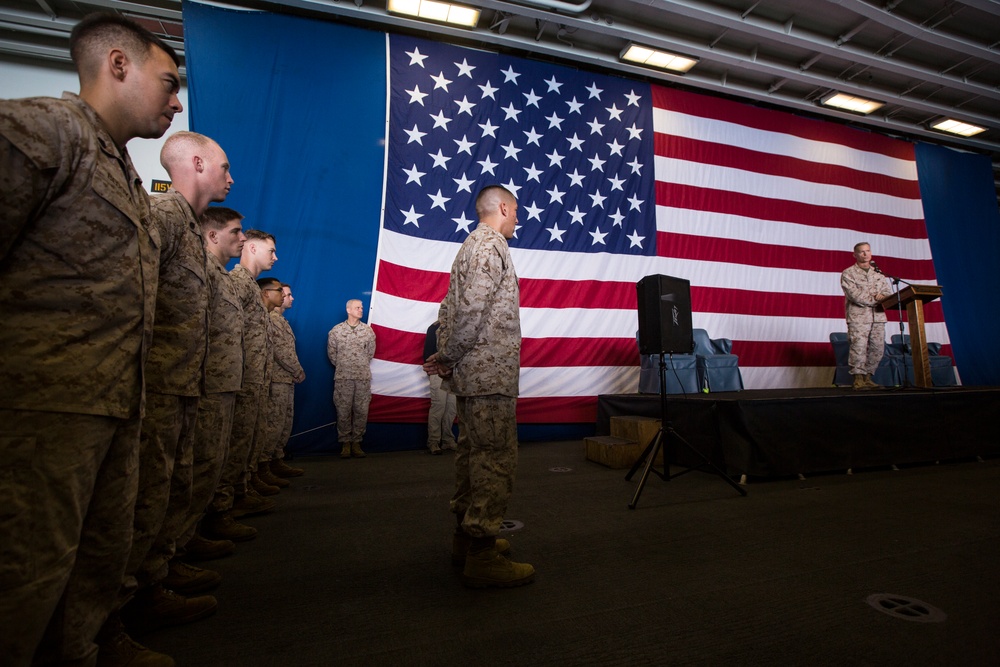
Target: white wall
[(26, 78)]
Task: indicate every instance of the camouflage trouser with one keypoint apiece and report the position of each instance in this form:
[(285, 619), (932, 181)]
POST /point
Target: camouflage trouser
[(166, 460), (441, 416), (212, 431), (867, 341), (279, 412), (241, 442), (485, 462), (352, 398), (67, 494)]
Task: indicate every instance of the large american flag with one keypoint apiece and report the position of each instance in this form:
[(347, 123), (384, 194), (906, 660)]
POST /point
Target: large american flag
[(616, 180)]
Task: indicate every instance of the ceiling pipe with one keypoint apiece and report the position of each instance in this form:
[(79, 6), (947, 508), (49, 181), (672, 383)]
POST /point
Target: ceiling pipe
[(557, 5)]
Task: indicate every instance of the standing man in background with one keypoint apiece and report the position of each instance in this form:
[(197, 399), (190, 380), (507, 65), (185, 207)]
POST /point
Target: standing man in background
[(479, 346), (864, 287), (350, 347), (78, 262), (280, 410), (441, 416)]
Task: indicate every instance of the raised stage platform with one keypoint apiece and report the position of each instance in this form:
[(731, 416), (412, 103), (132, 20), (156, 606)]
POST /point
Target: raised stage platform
[(780, 432)]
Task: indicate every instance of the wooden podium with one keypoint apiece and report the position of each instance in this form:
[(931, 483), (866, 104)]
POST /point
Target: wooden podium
[(913, 297)]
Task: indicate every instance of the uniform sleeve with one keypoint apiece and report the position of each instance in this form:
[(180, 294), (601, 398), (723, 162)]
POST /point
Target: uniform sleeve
[(331, 346), (371, 345), (23, 188), (170, 222), (478, 285), (284, 346), (856, 291)]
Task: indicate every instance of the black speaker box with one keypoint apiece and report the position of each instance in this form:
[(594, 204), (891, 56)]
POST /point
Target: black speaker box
[(664, 315)]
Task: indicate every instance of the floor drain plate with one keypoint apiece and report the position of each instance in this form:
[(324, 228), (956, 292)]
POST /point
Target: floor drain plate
[(907, 609), (560, 469), (510, 525)]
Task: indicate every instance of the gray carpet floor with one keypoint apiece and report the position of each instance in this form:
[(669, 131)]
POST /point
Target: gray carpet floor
[(353, 569)]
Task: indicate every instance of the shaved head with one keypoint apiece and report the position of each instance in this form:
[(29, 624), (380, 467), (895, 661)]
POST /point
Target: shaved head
[(98, 33)]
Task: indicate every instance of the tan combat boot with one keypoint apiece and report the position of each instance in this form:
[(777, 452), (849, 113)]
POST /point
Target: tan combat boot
[(345, 451), (265, 475), (356, 451), (282, 469), (222, 525), (460, 547), (262, 487), (117, 649), (157, 607), (487, 568)]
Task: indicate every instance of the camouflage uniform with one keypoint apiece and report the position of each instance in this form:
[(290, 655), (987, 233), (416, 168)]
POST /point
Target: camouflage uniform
[(174, 374), (480, 339), (351, 350), (78, 265), (256, 378), (865, 318), (280, 409), (223, 378)]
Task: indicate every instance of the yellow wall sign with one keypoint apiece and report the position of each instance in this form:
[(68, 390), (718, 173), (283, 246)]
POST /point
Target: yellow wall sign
[(159, 186)]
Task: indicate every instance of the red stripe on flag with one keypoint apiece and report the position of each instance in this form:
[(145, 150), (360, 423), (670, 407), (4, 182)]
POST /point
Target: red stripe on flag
[(551, 410), (733, 251), (589, 352), (741, 113), (724, 155), (544, 293), (404, 347), (767, 353), (766, 208), (410, 283), (401, 347)]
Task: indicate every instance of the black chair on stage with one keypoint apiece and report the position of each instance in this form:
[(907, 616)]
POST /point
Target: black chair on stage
[(682, 373), (942, 371), (718, 367), (712, 366)]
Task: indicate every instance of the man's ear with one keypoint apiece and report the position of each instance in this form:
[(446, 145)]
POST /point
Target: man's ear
[(118, 63)]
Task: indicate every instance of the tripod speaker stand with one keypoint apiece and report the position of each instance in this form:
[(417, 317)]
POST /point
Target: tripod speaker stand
[(665, 327)]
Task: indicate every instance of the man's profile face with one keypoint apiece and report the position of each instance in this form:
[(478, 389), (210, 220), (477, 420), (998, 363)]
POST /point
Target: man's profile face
[(149, 93), (266, 254), (231, 239), (288, 298), (273, 296), (355, 309), (217, 175)]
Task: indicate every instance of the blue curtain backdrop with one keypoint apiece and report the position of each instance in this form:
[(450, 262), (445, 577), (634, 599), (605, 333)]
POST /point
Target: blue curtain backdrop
[(299, 106), (963, 225)]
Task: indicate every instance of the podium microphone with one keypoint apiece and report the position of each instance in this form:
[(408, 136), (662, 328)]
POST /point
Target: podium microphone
[(875, 266)]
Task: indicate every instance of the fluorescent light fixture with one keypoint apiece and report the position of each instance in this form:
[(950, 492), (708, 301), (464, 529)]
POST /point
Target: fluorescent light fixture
[(643, 55), (440, 12), (851, 103), (957, 127)]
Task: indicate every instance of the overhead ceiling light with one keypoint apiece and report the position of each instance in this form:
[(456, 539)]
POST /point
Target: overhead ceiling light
[(957, 127), (440, 12), (851, 103), (643, 55)]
